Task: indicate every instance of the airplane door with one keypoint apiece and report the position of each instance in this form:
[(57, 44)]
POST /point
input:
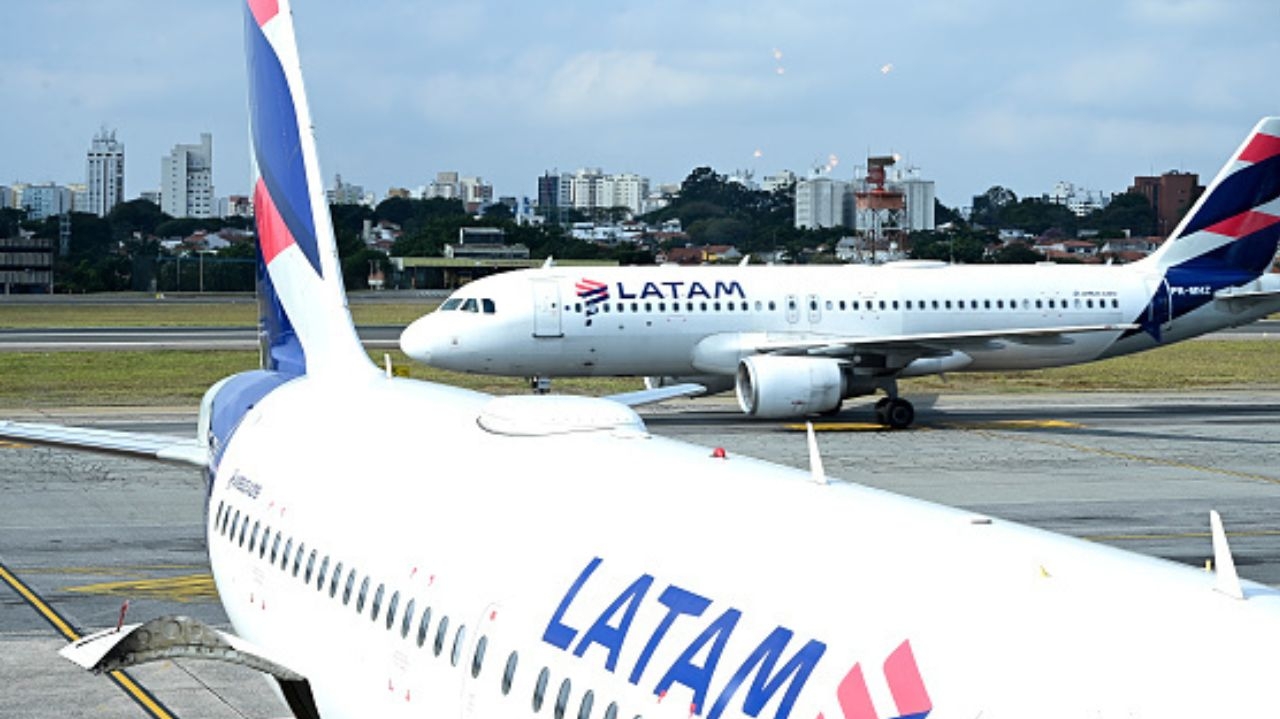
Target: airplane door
[(815, 309), (793, 309), (546, 309)]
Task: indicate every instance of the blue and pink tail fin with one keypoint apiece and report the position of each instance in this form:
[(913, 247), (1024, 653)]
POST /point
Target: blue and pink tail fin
[(305, 326), (1233, 230)]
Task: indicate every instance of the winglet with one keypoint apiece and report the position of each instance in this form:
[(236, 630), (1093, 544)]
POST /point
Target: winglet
[(1228, 580), (816, 470), (549, 262)]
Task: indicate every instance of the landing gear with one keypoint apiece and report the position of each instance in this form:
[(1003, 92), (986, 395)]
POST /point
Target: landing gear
[(540, 385), (895, 412)]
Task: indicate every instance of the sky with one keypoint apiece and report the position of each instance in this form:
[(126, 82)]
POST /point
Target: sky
[(972, 93)]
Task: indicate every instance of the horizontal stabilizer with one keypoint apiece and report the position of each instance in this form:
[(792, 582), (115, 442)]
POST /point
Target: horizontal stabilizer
[(163, 447), (1251, 297), (657, 394)]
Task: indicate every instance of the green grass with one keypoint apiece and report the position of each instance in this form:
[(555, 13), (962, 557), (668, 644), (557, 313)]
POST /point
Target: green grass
[(39, 380), (186, 313)]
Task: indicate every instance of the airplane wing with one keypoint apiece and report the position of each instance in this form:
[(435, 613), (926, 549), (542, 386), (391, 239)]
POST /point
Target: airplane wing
[(161, 447), (657, 394), (1245, 298), (928, 343)]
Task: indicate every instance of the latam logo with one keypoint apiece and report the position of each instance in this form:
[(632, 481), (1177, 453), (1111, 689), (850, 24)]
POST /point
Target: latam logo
[(746, 681)]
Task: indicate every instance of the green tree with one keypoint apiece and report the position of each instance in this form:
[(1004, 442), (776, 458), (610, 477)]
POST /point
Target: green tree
[(1017, 253), (1128, 212), (135, 216)]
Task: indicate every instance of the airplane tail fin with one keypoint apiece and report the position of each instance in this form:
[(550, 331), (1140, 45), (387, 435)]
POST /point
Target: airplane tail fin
[(1234, 228), (304, 323)]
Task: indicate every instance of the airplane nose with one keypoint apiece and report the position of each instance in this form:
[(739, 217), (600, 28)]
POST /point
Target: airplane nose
[(417, 340)]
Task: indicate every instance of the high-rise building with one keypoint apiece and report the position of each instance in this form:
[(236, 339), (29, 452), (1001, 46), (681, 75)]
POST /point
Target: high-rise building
[(444, 187), (186, 180), (1170, 194), (79, 197), (104, 173), (626, 190), (920, 204), (821, 202), (474, 193), (6, 197), (45, 200)]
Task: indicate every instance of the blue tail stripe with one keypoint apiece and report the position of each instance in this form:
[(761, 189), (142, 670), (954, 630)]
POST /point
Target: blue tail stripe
[(281, 349), (1239, 192), (276, 142)]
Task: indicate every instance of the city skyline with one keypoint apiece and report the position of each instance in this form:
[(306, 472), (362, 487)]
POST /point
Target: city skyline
[(989, 93)]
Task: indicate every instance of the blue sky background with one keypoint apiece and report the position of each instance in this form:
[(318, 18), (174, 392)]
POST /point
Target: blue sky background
[(973, 93)]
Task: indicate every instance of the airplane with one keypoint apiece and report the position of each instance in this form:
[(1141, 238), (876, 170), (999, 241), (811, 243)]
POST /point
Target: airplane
[(799, 340), (547, 556)]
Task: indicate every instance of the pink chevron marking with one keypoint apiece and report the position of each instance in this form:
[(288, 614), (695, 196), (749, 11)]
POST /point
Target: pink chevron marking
[(1261, 147), (273, 235), (1243, 224), (263, 10), (855, 699), (905, 682)]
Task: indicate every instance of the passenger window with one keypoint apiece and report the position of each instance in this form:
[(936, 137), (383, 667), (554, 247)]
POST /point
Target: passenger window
[(377, 603), (1039, 305), (364, 592), (935, 304), (244, 529), (217, 518), (1088, 303), (458, 640), (688, 306), (908, 304), (311, 565), (275, 547), (391, 609), (791, 304), (509, 674), (960, 304), (882, 304), (1115, 304), (469, 305), (986, 304), (704, 306), (584, 709), (337, 577), (442, 630), (648, 307), (635, 306), (284, 556), (408, 618), (760, 305), (235, 523), (477, 660), (854, 305), (253, 537), (324, 570), (487, 305), (842, 305), (346, 591), (716, 306), (297, 558), (999, 304), (540, 689), (662, 306), (813, 304), (422, 626), (895, 305), (611, 712), (562, 698), (947, 304), (772, 306), (830, 305)]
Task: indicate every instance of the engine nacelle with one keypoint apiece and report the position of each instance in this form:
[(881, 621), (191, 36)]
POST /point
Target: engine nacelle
[(714, 383), (775, 387)]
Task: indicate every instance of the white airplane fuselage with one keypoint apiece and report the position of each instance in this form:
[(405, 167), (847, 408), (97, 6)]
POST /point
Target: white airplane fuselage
[(697, 321), (821, 600)]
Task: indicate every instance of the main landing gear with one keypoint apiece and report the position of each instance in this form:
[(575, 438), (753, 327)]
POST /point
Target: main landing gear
[(895, 412)]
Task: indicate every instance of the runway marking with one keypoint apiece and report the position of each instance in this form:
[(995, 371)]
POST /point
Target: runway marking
[(993, 424), (139, 694), (137, 570), (840, 427), (7, 444), (184, 589), (1132, 457)]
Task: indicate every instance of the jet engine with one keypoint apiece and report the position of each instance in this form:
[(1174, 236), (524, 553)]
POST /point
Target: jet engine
[(775, 387)]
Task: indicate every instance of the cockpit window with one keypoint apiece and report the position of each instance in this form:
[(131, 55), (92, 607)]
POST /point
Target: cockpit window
[(470, 305), (487, 305), (450, 304)]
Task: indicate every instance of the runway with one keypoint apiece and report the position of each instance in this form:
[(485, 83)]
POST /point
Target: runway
[(233, 338), (1138, 471)]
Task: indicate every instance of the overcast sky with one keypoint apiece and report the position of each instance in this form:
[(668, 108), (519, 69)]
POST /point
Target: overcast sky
[(1012, 92)]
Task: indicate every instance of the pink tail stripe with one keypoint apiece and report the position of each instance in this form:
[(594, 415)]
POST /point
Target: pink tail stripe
[(274, 234), (1261, 147), (905, 682), (1243, 224), (855, 699), (263, 10)]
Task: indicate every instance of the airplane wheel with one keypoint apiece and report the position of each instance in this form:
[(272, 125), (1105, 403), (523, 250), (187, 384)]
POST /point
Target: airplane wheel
[(899, 414), (882, 410)]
